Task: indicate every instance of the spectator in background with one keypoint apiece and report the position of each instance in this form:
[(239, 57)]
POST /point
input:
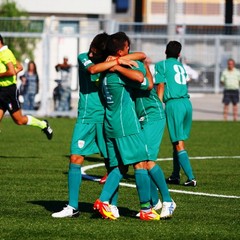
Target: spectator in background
[(62, 93), (30, 86), (231, 81), (65, 69)]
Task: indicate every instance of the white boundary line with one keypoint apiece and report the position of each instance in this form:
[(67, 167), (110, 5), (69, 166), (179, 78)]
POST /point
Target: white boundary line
[(92, 178)]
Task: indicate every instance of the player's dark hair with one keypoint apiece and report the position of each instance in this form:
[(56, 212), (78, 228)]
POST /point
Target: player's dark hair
[(116, 42), (173, 49), (1, 39), (99, 45)]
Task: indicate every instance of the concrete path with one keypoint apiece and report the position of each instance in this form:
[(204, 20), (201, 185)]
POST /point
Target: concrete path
[(209, 107)]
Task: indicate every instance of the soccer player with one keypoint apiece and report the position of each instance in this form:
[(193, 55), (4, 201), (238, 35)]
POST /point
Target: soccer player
[(125, 139), (88, 135), (178, 110), (151, 115), (9, 68)]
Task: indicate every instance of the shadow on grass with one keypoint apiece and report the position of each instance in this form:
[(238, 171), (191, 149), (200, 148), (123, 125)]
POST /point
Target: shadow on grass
[(37, 157), (84, 207)]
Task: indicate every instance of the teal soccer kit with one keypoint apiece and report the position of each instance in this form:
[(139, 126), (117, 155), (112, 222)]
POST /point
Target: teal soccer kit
[(176, 98), (121, 122), (88, 134), (152, 118), (125, 139), (178, 109), (88, 137)]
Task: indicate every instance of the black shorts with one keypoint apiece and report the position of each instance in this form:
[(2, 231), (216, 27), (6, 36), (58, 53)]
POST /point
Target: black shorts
[(9, 99), (231, 96)]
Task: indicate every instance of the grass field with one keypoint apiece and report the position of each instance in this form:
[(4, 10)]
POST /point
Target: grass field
[(34, 184)]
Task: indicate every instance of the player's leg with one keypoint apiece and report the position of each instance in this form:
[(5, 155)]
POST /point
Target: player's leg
[(1, 114), (175, 176), (109, 193), (20, 119), (101, 142), (82, 144)]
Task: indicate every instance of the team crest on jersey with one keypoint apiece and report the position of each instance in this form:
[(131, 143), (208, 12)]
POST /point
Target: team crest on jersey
[(81, 143)]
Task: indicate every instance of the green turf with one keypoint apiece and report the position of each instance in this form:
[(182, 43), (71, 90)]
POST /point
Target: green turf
[(33, 184)]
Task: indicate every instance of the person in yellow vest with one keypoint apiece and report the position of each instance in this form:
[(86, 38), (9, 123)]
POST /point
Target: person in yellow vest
[(9, 67)]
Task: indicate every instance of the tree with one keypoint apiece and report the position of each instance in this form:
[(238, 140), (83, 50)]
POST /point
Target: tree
[(22, 47)]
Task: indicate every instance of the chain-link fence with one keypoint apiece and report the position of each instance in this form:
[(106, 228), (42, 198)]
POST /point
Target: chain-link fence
[(206, 49)]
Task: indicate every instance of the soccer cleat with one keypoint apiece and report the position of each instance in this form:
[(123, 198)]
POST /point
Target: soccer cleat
[(68, 211), (191, 183), (156, 207), (48, 130), (167, 209), (173, 180), (115, 211), (150, 215), (104, 209), (103, 179)]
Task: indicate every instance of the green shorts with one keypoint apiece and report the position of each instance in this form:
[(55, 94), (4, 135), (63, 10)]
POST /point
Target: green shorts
[(179, 118), (127, 150), (88, 139), (153, 133)]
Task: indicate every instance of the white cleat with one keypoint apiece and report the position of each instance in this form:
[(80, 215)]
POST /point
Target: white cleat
[(167, 210), (114, 211), (68, 211)]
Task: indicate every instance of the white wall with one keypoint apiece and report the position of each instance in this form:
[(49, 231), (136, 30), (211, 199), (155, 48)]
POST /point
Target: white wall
[(66, 6)]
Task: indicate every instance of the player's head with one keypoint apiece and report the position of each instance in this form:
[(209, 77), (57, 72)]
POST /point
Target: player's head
[(118, 44), (97, 49), (1, 40), (173, 49)]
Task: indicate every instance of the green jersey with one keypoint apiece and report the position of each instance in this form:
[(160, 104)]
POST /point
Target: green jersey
[(121, 119), (90, 108), (172, 72), (148, 105), (6, 56)]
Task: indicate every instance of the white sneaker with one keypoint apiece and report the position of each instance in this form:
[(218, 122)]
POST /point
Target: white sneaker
[(156, 207), (68, 211), (167, 209), (114, 211)]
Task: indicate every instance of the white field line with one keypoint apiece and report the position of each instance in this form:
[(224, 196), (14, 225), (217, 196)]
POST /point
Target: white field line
[(92, 178)]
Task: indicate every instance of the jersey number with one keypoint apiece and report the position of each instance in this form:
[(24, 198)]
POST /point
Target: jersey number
[(180, 74)]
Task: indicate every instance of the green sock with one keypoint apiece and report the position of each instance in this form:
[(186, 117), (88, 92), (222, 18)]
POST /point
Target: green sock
[(32, 121), (157, 175), (154, 192), (111, 184), (143, 187), (185, 164), (176, 165), (114, 198), (74, 183)]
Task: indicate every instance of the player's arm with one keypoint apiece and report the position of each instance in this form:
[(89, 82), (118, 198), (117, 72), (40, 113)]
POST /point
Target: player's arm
[(135, 56), (10, 70), (160, 90), (109, 63), (18, 67), (149, 76), (127, 60), (132, 74)]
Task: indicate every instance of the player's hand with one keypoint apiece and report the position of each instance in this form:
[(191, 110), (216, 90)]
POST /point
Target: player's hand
[(126, 62)]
